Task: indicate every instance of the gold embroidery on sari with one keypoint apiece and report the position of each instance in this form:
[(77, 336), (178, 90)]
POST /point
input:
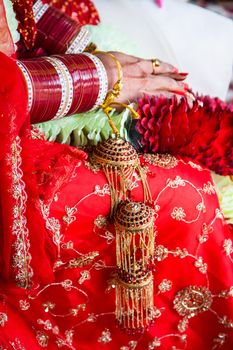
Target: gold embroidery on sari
[(105, 337), (165, 161), (3, 319), (21, 257), (16, 345)]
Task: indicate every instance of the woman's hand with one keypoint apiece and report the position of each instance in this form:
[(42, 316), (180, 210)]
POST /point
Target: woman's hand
[(141, 77)]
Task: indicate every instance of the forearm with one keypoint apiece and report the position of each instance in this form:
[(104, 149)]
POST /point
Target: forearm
[(63, 85)]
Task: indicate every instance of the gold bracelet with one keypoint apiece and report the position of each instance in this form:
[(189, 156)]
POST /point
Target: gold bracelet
[(117, 87), (114, 93)]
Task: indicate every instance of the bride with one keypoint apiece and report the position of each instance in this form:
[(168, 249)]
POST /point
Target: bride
[(75, 273)]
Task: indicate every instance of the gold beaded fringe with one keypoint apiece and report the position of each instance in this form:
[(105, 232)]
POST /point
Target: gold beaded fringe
[(134, 223)]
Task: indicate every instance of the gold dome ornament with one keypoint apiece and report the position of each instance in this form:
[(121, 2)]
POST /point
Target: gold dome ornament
[(135, 235), (119, 160)]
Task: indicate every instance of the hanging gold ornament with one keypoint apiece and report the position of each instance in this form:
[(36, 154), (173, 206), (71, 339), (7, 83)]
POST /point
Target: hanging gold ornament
[(134, 221), (135, 235)]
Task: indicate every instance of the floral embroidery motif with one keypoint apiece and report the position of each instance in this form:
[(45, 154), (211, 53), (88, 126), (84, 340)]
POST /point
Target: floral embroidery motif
[(85, 276), (22, 257), (165, 286), (24, 305), (181, 253), (91, 318), (219, 340), (195, 166), (84, 260), (16, 345), (219, 214), (183, 325), (208, 188), (161, 253), (69, 334), (93, 167), (227, 246), (156, 343), (42, 339), (69, 217), (3, 319), (131, 345), (178, 214), (105, 337), (108, 236), (201, 207), (102, 192), (48, 326), (230, 293), (176, 183), (192, 300), (53, 225), (48, 306), (226, 322), (101, 221), (165, 161), (75, 311), (204, 235), (202, 267)]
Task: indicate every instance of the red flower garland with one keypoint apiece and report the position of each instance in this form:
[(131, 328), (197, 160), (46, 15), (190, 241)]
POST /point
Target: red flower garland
[(203, 132)]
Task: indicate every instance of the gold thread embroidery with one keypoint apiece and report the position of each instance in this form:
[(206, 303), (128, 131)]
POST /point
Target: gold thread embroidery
[(105, 337), (165, 161), (192, 300), (3, 319), (22, 257)]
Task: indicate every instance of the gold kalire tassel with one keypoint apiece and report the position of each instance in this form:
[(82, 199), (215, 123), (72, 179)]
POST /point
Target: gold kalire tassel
[(134, 221), (134, 224)]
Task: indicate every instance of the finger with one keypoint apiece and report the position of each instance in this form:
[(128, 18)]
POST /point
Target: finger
[(170, 95), (164, 68), (139, 67), (165, 83), (177, 76)]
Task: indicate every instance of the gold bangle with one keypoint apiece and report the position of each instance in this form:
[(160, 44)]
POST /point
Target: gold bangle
[(109, 102), (117, 87)]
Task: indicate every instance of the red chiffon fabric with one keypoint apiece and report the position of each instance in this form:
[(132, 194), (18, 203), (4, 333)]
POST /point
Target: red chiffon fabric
[(19, 156)]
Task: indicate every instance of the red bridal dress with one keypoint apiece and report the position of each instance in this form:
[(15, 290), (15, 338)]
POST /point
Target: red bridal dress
[(58, 246)]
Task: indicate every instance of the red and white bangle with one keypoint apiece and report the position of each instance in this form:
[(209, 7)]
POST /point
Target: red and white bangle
[(103, 79), (80, 42), (63, 85), (66, 87), (28, 83), (58, 33)]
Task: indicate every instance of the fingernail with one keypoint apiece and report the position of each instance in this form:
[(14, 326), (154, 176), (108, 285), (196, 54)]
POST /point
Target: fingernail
[(183, 74)]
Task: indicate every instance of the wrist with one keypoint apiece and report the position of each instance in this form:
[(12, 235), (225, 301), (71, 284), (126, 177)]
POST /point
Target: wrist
[(110, 68)]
